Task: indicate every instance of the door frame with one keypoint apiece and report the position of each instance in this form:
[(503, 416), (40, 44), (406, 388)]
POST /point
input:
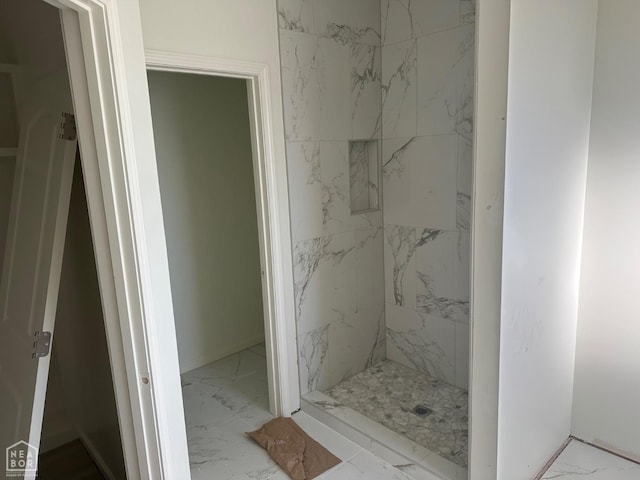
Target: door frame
[(107, 69), (273, 218)]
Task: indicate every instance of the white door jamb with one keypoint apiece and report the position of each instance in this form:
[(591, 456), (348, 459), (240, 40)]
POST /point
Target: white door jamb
[(106, 61), (273, 220)]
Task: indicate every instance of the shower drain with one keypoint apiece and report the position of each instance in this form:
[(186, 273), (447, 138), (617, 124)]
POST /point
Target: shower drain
[(422, 411)]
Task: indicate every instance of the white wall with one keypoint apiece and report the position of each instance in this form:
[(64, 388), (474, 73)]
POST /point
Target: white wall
[(490, 107), (607, 383), (205, 167), (549, 101), (242, 30)]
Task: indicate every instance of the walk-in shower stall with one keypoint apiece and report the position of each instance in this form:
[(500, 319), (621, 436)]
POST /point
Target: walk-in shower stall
[(378, 103)]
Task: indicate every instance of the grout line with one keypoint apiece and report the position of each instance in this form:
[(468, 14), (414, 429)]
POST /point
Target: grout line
[(435, 32), (553, 458), (333, 432), (604, 449)]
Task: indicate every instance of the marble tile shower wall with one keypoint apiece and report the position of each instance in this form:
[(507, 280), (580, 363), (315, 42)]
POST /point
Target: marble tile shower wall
[(401, 71), (331, 74), (427, 84)]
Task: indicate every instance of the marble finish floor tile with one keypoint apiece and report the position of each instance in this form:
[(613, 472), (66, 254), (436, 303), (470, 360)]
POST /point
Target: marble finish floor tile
[(364, 466), (225, 451), (584, 462), (235, 385), (227, 398), (427, 411)]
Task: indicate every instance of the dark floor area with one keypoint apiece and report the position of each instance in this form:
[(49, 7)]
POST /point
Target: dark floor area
[(71, 461)]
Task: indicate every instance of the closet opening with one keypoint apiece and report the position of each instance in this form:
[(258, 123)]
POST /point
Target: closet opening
[(205, 150), (80, 430), (57, 376)]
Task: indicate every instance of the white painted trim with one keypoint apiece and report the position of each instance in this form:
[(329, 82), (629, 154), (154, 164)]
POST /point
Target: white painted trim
[(78, 76), (112, 106), (273, 219), (114, 121), (490, 110)]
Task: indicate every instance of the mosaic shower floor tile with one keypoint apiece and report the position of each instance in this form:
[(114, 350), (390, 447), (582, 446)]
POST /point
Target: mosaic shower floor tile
[(427, 411)]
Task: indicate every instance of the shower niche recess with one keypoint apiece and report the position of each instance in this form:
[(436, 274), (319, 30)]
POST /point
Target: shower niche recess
[(364, 176)]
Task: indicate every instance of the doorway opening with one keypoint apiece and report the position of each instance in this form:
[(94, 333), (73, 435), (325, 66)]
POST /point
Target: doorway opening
[(56, 382), (80, 430), (203, 139)]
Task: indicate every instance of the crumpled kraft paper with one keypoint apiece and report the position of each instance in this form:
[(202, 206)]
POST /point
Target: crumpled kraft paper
[(296, 452)]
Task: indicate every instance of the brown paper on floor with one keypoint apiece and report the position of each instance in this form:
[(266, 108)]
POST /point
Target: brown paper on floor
[(296, 452)]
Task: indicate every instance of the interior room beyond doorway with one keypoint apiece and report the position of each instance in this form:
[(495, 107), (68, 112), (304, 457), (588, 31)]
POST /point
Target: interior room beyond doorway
[(206, 172)]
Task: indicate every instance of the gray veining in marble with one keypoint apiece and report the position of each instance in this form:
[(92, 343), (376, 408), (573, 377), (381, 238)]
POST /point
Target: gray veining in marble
[(439, 260), (378, 352), (359, 176), (222, 401), (349, 22), (388, 392), (468, 11), (405, 19), (336, 212), (427, 61), (295, 15), (369, 278), (366, 91), (401, 243), (305, 193), (445, 75), (355, 342), (423, 342), (229, 397), (464, 183), (313, 354), (327, 259), (365, 69), (320, 189), (363, 176), (331, 63), (419, 181), (399, 89), (580, 461), (339, 287), (316, 86), (422, 348), (394, 164), (441, 267)]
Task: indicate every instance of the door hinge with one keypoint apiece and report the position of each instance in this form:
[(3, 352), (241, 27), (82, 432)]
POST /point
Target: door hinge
[(42, 344), (67, 127)]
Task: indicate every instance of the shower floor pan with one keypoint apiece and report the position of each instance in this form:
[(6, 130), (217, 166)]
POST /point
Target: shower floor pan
[(415, 422)]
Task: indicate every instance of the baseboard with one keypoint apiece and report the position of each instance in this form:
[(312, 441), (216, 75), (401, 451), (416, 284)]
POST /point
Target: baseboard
[(225, 352), (553, 458), (97, 457), (238, 347), (609, 449), (51, 441)]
